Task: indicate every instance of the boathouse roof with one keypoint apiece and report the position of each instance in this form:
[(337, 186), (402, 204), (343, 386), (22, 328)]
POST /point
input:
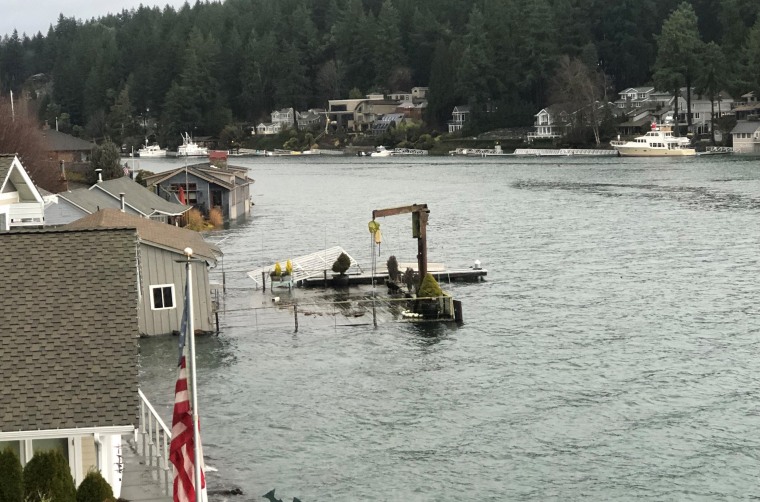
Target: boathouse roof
[(139, 197)]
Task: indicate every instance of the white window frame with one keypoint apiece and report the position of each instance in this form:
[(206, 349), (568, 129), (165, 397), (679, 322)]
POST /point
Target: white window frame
[(152, 297)]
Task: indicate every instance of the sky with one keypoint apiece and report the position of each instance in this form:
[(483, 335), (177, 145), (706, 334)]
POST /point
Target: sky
[(31, 16)]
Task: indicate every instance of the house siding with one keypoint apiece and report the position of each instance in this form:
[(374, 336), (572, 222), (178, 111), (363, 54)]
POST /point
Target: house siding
[(159, 266)]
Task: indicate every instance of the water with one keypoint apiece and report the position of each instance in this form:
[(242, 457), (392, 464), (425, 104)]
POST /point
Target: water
[(611, 354)]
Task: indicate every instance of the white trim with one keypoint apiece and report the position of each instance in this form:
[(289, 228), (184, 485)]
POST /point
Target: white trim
[(61, 433), (152, 297)]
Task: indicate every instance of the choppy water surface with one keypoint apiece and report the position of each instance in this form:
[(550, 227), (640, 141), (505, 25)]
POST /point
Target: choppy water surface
[(611, 354)]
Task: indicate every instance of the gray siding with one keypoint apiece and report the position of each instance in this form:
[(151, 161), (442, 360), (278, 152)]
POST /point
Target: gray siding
[(62, 213), (159, 266)]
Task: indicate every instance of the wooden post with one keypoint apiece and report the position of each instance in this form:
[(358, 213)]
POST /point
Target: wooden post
[(374, 313), (263, 282), (216, 315), (295, 315), (458, 312), (324, 286)]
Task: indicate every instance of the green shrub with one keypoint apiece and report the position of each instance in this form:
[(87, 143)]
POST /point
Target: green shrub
[(393, 272), (94, 488), (47, 476), (11, 479), (429, 288), (341, 264)]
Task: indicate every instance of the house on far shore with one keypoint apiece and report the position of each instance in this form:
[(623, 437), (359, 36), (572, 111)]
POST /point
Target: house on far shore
[(161, 270), (116, 193), (21, 204), (458, 117), (746, 136), (69, 362), (205, 186), (65, 147), (550, 123)]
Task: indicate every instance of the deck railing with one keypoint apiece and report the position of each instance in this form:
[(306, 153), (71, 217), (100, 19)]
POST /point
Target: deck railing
[(154, 438)]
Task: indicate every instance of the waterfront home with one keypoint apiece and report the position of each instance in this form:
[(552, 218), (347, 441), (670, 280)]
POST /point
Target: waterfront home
[(419, 93), (21, 204), (311, 119), (161, 270), (205, 186), (388, 122), (119, 193), (747, 107), (746, 136), (65, 147), (459, 116), (69, 360), (701, 110), (283, 119), (551, 122), (267, 128)]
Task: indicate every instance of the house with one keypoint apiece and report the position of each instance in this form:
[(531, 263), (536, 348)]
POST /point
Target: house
[(161, 270), (633, 97), (358, 115), (701, 109), (458, 117), (370, 110), (21, 203), (117, 193), (419, 93), (747, 107), (550, 123), (267, 128), (341, 113), (746, 136), (411, 109), (387, 122), (65, 147), (205, 186), (283, 119), (69, 362), (311, 119), (400, 96)]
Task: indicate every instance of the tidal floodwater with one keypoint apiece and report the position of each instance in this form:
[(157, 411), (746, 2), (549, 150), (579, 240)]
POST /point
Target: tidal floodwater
[(611, 354)]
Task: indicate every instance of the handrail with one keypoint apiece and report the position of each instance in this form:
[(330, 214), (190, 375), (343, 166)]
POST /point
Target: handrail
[(155, 434)]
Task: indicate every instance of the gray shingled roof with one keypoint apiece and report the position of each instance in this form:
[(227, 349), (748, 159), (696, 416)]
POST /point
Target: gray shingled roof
[(224, 177), (139, 197), (56, 141), (160, 234), (68, 311), (745, 127), (5, 165)]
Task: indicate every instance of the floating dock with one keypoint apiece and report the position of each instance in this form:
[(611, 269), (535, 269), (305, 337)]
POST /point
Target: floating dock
[(441, 274)]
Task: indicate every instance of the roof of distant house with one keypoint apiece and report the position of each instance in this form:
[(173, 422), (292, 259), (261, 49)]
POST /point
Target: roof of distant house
[(69, 356), (165, 236), (745, 127), (140, 197), (56, 141)]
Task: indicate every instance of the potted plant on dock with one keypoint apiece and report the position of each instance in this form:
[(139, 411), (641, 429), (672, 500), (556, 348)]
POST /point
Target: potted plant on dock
[(394, 275), (429, 298), (281, 277), (340, 266)]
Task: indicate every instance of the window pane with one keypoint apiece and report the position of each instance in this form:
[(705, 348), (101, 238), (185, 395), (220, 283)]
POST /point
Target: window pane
[(60, 444), (168, 297), (15, 447), (158, 302)]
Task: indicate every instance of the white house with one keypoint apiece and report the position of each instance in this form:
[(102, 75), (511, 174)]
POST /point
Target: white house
[(267, 128), (549, 123), (702, 109), (459, 116), (21, 203), (746, 136), (283, 119)]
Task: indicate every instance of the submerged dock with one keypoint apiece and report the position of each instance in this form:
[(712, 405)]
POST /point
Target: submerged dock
[(443, 276)]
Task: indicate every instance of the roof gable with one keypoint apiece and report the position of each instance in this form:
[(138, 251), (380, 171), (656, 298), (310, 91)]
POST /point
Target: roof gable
[(56, 141), (12, 173), (69, 356), (139, 197)]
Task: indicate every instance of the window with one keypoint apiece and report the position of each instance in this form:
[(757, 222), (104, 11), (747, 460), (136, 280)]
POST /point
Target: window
[(163, 296), (190, 189)]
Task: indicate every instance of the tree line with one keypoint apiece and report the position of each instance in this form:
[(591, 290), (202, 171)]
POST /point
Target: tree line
[(210, 65)]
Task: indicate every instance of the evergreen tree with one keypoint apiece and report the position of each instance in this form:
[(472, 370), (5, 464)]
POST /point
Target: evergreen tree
[(712, 79), (11, 480), (389, 55)]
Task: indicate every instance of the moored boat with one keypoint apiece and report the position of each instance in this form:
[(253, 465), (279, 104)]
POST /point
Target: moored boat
[(151, 150), (189, 148), (659, 142)]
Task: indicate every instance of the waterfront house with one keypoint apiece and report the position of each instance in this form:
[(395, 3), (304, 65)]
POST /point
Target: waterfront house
[(400, 96), (311, 119), (267, 128), (459, 116), (21, 204), (119, 193), (387, 122), (161, 271), (369, 111), (65, 147), (748, 107), (633, 97), (283, 119), (69, 362), (746, 136), (551, 122), (205, 186), (419, 93), (701, 110), (341, 113)]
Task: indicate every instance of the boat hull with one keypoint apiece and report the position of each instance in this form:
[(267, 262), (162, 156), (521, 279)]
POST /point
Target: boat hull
[(652, 152)]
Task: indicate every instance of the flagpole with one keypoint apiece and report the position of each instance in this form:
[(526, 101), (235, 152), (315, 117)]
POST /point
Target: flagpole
[(194, 394)]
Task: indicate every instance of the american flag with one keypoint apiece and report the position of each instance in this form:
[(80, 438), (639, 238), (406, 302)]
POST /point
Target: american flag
[(126, 170), (181, 448)]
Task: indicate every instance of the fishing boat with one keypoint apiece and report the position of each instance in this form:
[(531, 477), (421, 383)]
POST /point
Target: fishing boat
[(659, 142), (381, 151), (189, 148), (151, 150)]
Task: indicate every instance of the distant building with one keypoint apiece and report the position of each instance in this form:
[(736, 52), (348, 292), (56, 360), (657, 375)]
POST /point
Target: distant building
[(746, 137), (65, 147), (311, 119), (459, 116)]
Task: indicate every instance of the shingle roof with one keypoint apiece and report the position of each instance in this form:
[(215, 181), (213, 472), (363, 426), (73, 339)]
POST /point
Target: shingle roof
[(56, 141), (160, 234), (5, 165), (139, 197), (68, 311), (745, 127), (228, 178)]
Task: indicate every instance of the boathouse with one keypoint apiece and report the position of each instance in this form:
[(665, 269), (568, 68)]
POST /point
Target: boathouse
[(205, 186), (70, 356), (162, 270)]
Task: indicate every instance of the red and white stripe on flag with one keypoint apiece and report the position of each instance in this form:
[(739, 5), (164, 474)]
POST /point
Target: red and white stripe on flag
[(181, 448)]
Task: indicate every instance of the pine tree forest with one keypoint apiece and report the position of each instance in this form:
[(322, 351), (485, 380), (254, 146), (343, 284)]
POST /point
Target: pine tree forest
[(212, 65)]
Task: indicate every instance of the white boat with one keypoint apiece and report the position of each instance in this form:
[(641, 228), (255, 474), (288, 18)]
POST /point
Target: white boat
[(659, 142), (189, 148), (381, 152), (151, 150)]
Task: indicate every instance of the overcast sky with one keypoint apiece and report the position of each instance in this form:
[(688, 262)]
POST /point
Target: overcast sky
[(31, 16)]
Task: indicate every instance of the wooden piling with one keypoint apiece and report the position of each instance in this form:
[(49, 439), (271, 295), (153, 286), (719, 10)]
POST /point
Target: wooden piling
[(295, 316)]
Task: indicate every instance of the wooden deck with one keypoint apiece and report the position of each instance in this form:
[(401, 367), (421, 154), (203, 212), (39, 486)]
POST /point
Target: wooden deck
[(442, 276)]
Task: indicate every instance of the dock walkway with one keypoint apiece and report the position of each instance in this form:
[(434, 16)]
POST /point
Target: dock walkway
[(139, 482)]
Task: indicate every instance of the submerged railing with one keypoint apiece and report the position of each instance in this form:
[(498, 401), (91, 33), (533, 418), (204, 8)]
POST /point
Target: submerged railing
[(154, 438)]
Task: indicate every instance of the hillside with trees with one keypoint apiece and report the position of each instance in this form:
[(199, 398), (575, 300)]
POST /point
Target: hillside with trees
[(211, 65)]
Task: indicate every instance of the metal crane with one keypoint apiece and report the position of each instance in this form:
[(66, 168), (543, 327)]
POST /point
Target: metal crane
[(420, 214)]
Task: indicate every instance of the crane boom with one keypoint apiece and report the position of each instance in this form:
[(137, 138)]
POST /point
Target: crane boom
[(420, 214)]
